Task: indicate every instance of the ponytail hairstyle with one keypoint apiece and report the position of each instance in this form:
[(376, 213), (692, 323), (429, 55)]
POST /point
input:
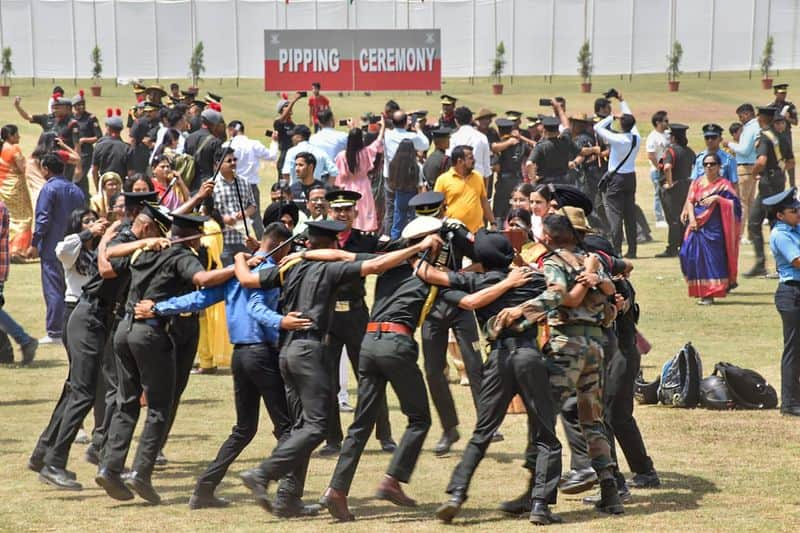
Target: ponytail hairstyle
[(6, 132)]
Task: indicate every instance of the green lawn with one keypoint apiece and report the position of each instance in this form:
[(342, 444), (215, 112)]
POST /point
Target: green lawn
[(728, 471)]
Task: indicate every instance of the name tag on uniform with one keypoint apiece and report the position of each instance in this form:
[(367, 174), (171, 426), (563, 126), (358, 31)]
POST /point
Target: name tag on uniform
[(342, 306)]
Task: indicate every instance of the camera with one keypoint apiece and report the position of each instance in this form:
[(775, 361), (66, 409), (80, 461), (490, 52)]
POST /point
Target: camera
[(343, 122), (267, 133), (611, 93), (545, 102)]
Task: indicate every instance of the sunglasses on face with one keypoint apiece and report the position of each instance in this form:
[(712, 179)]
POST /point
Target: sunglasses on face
[(710, 163)]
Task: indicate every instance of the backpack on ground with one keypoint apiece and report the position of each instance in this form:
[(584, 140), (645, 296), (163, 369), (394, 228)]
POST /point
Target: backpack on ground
[(680, 379), (747, 387), (646, 393), (714, 394)]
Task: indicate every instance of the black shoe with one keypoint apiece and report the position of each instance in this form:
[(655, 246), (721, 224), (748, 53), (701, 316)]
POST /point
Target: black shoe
[(161, 459), (112, 483), (542, 516), (577, 481), (624, 496), (59, 478), (36, 462), (498, 437), (29, 351), (667, 253), (647, 480), (449, 438), (92, 455), (522, 503), (788, 411), (203, 497), (388, 445), (330, 450), (254, 481), (757, 270), (449, 509), (610, 502), (143, 488), (290, 506)]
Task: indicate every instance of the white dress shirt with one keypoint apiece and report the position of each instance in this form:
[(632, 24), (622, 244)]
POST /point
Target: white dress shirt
[(619, 143), (330, 141), (249, 154), (469, 136), (393, 138), (657, 143)]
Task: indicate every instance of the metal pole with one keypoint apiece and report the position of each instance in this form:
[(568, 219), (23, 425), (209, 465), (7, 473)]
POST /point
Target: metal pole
[(74, 45), (513, 38), (33, 43), (116, 45), (552, 39), (408, 14), (394, 14), (236, 37), (316, 14), (632, 48), (191, 16), (591, 30), (286, 16), (155, 26), (347, 11), (752, 40), (794, 32), (474, 59), (433, 11), (94, 20), (1, 26), (711, 47)]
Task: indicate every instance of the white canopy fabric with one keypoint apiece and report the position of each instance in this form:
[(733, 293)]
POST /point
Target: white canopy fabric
[(155, 38)]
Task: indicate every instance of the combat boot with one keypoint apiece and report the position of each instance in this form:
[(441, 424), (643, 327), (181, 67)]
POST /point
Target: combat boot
[(203, 497), (610, 502)]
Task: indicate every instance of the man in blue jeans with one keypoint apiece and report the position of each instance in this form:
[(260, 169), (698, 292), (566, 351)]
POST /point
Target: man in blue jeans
[(8, 326)]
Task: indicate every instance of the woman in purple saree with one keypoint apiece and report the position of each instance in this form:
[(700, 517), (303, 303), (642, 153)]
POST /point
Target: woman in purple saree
[(710, 252)]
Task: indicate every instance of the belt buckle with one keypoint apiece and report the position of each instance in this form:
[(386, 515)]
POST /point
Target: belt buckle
[(342, 306)]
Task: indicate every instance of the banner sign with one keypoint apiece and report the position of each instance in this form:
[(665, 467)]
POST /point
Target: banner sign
[(353, 60)]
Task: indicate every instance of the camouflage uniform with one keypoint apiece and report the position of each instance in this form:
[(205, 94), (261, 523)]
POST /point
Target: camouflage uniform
[(574, 351)]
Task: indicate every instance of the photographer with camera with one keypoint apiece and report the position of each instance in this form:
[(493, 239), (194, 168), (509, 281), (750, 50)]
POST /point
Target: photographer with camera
[(620, 180), (550, 160)]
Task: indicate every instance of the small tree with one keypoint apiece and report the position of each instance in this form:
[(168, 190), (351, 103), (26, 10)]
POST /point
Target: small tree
[(499, 62), (674, 61), (6, 68), (585, 66), (196, 66), (97, 64), (766, 56)]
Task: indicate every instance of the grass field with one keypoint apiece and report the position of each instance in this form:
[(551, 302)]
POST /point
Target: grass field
[(729, 471)]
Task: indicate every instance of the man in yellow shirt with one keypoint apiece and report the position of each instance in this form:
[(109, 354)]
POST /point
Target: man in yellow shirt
[(464, 191)]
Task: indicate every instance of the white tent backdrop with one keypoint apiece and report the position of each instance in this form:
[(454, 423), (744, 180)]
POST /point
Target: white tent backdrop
[(154, 38)]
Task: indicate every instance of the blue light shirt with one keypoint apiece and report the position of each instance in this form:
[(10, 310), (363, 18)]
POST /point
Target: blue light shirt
[(727, 170), (745, 149), (241, 328), (329, 140), (325, 164), (784, 241)]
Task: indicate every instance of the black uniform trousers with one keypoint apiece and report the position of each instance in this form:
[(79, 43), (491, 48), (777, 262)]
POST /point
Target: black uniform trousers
[(621, 362), (386, 358), (185, 335), (256, 377), (48, 437), (347, 329), (86, 334), (515, 366), (620, 204), (503, 188), (305, 375), (772, 182), (673, 201), (145, 363), (787, 301), (434, 350), (111, 383)]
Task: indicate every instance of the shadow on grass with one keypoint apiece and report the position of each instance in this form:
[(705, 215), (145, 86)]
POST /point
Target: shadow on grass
[(199, 401), (678, 492), (727, 301), (25, 401)]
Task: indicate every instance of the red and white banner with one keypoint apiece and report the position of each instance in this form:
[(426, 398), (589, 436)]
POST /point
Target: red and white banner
[(353, 60)]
